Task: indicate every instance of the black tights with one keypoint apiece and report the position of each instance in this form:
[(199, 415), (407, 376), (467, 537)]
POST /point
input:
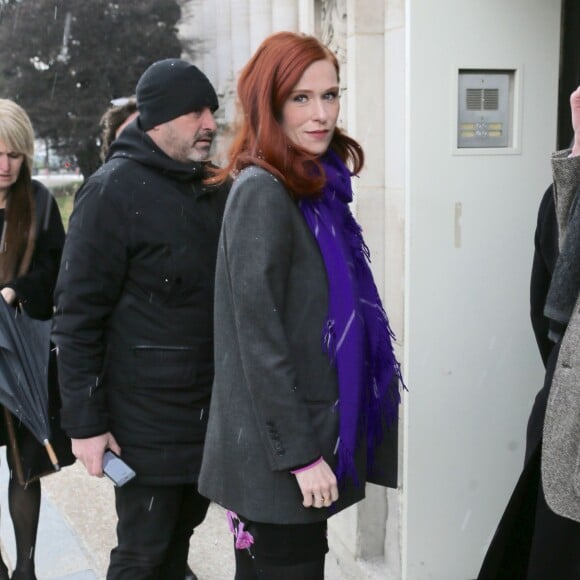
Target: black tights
[(24, 506), (248, 568)]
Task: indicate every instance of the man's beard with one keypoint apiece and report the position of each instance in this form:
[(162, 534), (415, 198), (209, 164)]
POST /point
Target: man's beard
[(205, 139)]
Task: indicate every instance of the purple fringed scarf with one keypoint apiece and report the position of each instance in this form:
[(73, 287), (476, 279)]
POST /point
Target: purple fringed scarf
[(357, 335)]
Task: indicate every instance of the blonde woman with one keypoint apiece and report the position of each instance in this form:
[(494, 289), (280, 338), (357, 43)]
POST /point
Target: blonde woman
[(30, 250)]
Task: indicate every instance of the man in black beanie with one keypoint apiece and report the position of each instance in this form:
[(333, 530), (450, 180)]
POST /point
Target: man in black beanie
[(134, 322)]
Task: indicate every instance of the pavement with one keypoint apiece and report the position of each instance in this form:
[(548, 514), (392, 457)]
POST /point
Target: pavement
[(76, 531)]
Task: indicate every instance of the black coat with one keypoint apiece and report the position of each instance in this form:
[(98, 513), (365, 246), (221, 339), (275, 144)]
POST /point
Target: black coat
[(531, 542), (34, 291), (134, 317), (545, 256)]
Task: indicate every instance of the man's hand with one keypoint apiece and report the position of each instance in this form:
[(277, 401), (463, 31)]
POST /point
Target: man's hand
[(90, 451), (575, 110), (318, 485)]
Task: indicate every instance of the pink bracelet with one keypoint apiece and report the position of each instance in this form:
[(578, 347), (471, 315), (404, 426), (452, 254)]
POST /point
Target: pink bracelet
[(301, 469)]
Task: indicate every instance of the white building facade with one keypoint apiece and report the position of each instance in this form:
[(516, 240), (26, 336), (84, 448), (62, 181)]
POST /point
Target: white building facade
[(448, 202)]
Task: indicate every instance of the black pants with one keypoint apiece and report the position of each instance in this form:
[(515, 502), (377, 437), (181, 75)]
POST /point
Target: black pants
[(555, 549), (532, 542), (283, 552), (155, 524)]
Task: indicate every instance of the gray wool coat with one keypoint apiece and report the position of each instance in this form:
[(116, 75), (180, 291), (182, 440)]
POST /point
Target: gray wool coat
[(274, 396), (561, 439)]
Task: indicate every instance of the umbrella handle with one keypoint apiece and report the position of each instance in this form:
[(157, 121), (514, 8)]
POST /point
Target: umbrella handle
[(51, 454)]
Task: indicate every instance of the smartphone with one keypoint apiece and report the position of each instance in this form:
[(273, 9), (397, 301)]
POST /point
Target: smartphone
[(116, 469)]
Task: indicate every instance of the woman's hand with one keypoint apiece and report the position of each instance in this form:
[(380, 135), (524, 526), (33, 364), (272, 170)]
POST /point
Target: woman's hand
[(575, 111), (8, 294), (318, 485)]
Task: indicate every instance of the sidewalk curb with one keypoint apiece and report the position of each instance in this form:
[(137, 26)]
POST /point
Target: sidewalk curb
[(59, 554)]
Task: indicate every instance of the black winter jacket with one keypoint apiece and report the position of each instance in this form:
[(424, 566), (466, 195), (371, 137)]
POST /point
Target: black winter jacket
[(545, 256), (34, 291), (134, 314)]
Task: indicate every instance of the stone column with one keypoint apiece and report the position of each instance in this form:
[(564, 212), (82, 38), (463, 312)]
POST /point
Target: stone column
[(395, 225), (223, 43), (333, 22), (306, 16), (260, 22), (207, 40), (365, 97), (284, 15), (240, 34), (364, 533)]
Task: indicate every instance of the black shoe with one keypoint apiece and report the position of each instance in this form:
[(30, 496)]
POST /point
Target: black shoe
[(189, 575)]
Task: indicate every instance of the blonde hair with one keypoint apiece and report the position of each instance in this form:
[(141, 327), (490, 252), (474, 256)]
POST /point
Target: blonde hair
[(18, 233), (16, 130)]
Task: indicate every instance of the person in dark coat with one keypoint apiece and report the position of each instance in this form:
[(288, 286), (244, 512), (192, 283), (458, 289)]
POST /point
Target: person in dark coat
[(121, 112), (306, 392), (538, 536), (31, 246), (134, 324)]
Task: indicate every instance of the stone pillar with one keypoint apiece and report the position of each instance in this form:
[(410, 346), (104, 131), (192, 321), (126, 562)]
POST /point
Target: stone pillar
[(395, 163), (197, 30), (333, 22), (394, 255), (306, 16), (373, 100), (240, 34), (260, 22), (223, 44), (188, 28), (220, 12), (284, 15), (365, 96), (207, 40)]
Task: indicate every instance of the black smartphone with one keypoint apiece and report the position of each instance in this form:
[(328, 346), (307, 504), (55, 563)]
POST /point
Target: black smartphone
[(116, 469)]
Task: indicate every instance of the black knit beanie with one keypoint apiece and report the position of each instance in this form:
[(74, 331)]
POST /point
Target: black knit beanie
[(170, 88)]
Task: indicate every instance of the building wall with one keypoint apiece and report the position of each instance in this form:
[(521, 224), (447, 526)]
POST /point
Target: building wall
[(374, 99), (451, 238), (470, 358), (224, 34)]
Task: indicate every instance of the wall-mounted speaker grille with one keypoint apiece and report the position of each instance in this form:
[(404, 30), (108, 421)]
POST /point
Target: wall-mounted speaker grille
[(482, 99)]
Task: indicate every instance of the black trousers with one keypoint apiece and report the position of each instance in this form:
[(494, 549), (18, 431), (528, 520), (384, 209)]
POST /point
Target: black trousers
[(532, 542), (282, 552), (555, 549), (155, 524)]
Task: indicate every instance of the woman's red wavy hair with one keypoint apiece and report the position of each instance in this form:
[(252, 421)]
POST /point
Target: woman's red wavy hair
[(264, 86)]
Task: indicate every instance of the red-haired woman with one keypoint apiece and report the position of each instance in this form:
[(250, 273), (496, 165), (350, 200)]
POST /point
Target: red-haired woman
[(306, 390), (30, 250)]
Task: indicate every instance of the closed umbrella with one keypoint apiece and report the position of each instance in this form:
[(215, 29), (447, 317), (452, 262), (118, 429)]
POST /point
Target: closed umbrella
[(24, 355)]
